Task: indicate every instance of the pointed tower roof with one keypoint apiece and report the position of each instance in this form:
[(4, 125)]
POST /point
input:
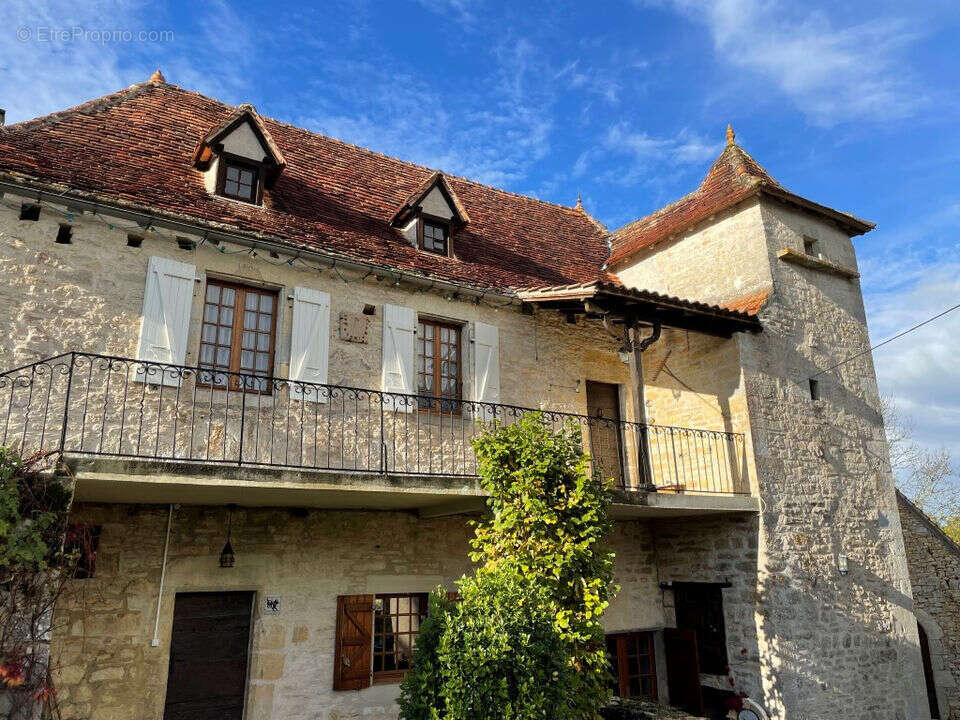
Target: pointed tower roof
[(733, 177)]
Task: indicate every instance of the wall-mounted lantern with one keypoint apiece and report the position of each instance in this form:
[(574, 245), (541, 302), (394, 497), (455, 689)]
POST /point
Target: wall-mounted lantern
[(226, 555)]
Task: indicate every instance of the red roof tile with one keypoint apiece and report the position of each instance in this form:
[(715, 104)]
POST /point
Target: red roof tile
[(734, 177), (136, 146), (749, 304)]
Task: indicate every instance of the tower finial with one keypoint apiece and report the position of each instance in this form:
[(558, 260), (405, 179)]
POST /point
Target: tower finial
[(157, 76), (579, 201), (731, 135)]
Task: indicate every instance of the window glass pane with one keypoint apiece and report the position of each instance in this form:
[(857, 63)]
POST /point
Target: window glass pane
[(223, 357), (230, 187), (263, 362), (249, 320), (229, 296), (206, 353), (209, 333), (251, 301), (265, 323), (246, 360), (233, 172), (213, 293), (246, 177), (266, 303), (210, 313), (224, 336), (263, 342), (248, 340), (226, 316)]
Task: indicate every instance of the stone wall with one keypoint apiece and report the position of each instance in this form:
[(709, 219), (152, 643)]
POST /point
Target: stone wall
[(828, 644), (934, 562), (109, 671), (88, 295), (832, 644)]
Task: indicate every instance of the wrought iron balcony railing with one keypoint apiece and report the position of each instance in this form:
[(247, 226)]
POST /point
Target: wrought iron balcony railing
[(110, 406)]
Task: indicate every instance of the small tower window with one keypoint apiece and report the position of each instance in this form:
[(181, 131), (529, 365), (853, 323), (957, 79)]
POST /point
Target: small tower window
[(64, 234), (814, 389), (29, 211), (434, 236), (811, 246), (240, 180)]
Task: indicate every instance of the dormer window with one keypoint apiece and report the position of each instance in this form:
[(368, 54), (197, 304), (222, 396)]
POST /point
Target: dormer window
[(434, 235), (238, 158), (432, 218), (239, 180)]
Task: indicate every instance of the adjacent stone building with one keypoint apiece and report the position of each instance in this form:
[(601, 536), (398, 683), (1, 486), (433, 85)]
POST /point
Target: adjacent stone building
[(261, 354), (934, 562)]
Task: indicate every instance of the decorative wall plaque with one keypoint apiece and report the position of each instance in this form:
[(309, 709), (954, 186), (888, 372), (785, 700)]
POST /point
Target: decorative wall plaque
[(353, 327)]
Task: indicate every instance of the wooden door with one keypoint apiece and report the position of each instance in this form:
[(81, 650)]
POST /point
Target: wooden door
[(683, 670), (207, 678), (606, 445)]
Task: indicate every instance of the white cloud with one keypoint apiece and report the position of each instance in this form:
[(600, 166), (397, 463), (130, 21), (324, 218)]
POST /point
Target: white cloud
[(920, 371), (832, 73), (493, 134), (59, 53)]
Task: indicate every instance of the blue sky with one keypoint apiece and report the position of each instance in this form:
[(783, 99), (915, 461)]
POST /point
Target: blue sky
[(854, 106)]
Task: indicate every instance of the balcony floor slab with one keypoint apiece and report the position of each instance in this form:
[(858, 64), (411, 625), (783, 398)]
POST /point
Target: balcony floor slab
[(123, 480)]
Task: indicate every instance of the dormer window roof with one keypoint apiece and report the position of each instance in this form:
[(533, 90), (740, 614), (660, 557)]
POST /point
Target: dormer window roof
[(431, 215), (239, 157)]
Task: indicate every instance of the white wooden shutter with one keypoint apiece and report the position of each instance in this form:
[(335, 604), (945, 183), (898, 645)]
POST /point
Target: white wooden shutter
[(167, 299), (399, 325), (310, 343), (486, 367)]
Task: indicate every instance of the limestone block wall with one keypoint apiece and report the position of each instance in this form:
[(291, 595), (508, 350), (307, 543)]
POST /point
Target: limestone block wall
[(934, 563), (720, 259), (109, 671), (828, 644), (88, 296), (831, 643)]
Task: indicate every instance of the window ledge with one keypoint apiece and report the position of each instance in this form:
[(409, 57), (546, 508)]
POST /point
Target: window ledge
[(817, 262)]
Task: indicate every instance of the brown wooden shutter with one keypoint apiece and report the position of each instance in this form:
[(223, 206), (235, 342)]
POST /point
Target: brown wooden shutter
[(352, 662), (683, 669)]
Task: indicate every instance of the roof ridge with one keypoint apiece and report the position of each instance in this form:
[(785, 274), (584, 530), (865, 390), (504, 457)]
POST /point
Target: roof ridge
[(90, 106), (408, 163), (110, 99)]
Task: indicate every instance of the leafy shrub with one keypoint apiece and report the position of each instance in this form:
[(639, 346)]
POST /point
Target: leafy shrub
[(525, 641), (502, 655)]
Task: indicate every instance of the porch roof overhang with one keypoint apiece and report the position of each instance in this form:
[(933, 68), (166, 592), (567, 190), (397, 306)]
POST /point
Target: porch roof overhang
[(606, 300)]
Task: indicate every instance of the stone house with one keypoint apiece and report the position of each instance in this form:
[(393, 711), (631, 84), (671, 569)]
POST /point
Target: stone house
[(262, 353), (934, 563)]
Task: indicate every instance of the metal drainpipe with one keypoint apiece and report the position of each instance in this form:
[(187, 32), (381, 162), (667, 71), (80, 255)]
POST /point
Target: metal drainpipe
[(163, 574), (638, 347)]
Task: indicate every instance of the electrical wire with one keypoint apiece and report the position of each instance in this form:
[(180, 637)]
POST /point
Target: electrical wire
[(888, 340)]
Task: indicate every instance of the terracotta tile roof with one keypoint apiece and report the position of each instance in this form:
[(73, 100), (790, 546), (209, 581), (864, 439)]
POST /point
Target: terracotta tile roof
[(611, 286), (734, 177), (750, 304), (136, 147)]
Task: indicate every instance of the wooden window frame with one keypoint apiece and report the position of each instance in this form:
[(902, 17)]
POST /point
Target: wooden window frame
[(436, 405), (444, 223), (620, 663), (227, 159), (236, 339), (386, 677), (712, 653)]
